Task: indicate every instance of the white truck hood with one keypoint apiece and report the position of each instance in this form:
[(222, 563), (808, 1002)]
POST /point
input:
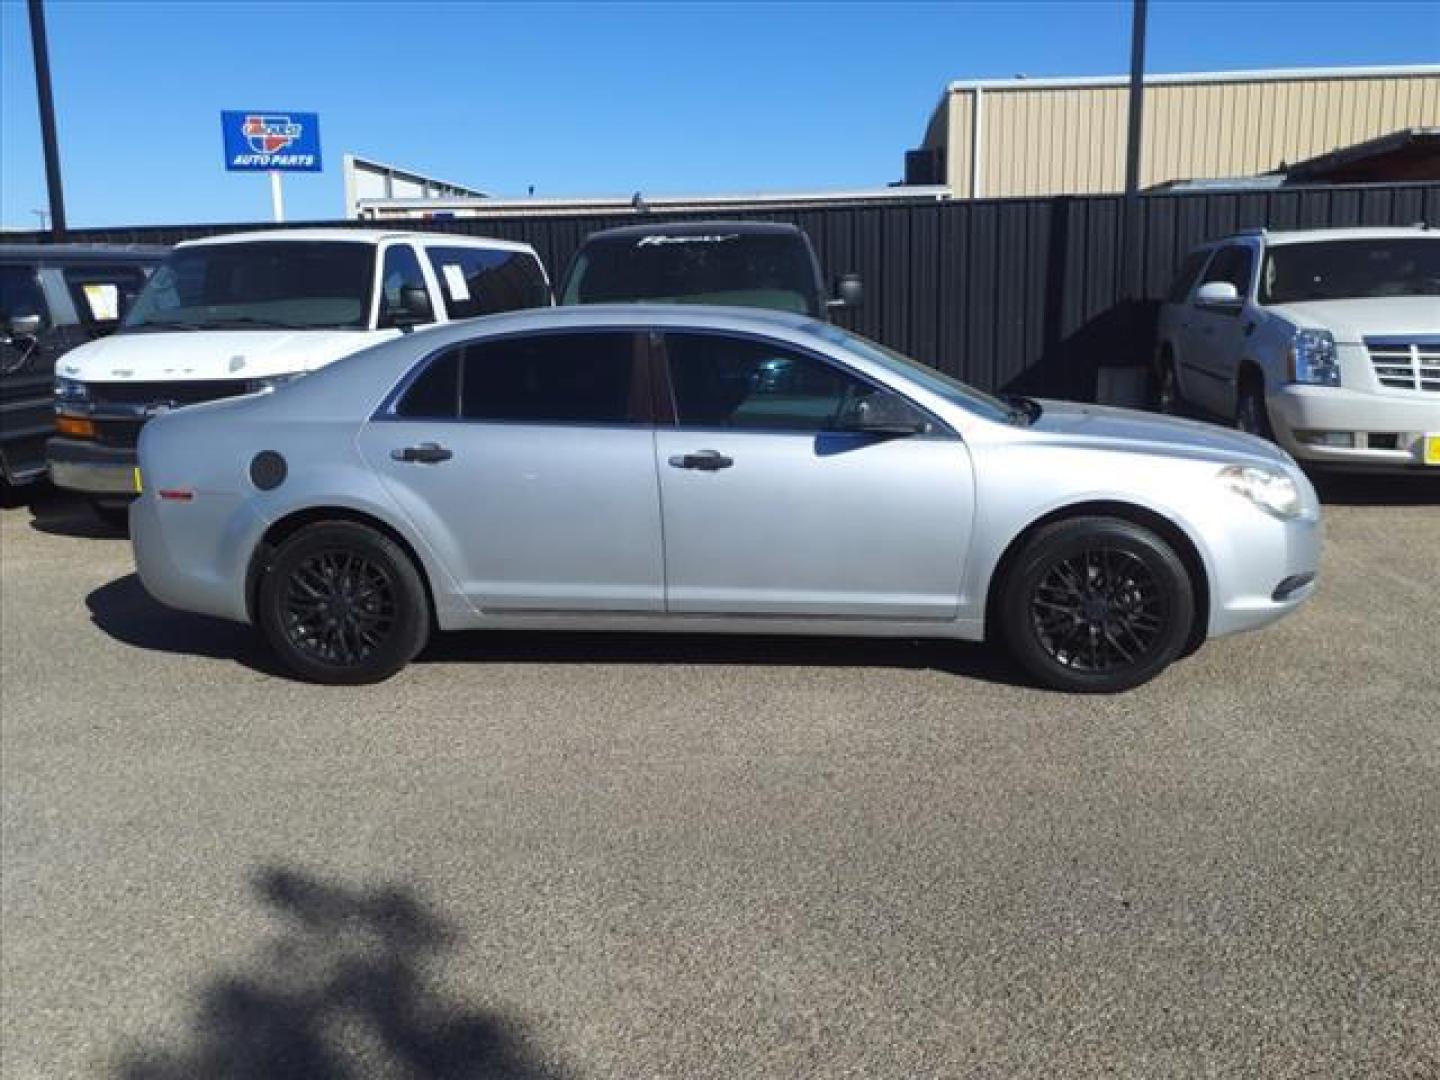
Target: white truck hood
[(1353, 320), (211, 354)]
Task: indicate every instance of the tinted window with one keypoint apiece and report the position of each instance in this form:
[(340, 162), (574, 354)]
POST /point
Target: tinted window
[(1346, 269), (741, 269), (19, 294), (435, 393), (100, 292), (259, 285), (400, 275), (1232, 264), (553, 378), (476, 281), (1185, 279), (732, 382)]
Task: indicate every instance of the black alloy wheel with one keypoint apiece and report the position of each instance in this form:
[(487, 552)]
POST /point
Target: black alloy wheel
[(1096, 605), (343, 603)]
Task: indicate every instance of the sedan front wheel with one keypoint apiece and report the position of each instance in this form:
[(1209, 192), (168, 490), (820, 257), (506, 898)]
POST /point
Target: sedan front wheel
[(1096, 605)]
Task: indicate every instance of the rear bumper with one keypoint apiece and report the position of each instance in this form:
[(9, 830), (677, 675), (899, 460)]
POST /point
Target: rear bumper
[(1369, 419), (93, 469)]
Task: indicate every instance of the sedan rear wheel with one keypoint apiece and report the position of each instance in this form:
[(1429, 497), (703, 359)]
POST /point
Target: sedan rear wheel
[(1096, 605), (343, 603)]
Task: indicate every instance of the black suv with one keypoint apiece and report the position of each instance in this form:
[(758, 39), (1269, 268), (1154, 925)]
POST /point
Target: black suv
[(54, 297)]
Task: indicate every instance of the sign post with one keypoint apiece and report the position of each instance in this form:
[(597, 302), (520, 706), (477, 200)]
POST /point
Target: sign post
[(272, 142)]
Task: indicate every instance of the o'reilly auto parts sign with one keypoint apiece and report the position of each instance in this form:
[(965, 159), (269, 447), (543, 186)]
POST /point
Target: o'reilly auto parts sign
[(271, 141)]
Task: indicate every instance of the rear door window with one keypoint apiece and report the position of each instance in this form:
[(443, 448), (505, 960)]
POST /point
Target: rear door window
[(481, 281), (582, 378)]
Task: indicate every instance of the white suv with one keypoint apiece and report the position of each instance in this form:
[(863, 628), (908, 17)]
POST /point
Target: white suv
[(1327, 341)]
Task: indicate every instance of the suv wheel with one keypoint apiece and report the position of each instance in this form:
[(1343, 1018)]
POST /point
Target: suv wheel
[(1167, 388), (1096, 605), (343, 603), (1251, 415)]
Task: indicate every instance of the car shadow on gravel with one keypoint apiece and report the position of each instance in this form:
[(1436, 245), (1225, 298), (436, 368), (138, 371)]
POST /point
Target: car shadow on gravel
[(123, 610), (344, 987), (1355, 489), (61, 514)]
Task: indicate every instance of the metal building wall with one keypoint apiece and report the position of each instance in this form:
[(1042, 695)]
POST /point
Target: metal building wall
[(1044, 138), (1008, 294)]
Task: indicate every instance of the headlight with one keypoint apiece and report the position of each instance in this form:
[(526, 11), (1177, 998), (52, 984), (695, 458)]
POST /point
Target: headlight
[(270, 382), (1313, 359), (71, 392), (1270, 489)]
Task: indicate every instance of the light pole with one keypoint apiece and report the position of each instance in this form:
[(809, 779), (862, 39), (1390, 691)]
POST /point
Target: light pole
[(47, 119)]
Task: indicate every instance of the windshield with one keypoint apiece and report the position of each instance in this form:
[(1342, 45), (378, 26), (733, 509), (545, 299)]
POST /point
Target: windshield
[(737, 269), (938, 383), (1351, 270), (268, 284)]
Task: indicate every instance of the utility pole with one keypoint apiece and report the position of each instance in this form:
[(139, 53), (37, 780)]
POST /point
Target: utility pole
[(47, 120), (1132, 151)]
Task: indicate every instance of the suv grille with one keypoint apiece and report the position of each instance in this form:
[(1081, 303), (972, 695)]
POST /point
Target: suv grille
[(1406, 365), (178, 393)]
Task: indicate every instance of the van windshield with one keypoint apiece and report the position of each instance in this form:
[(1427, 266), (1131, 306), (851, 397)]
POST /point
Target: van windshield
[(731, 268), (264, 285), (1351, 270)]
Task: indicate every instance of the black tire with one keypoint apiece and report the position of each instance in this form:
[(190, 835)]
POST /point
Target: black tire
[(342, 603), (1168, 398), (1251, 413), (113, 515), (1096, 605)]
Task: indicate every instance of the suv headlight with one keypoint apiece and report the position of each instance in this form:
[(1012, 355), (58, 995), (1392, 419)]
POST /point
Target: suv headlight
[(1313, 359), (1270, 489), (70, 391), (270, 382)]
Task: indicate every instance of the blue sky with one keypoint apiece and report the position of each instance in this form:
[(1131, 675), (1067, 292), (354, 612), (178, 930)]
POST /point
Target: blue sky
[(581, 99)]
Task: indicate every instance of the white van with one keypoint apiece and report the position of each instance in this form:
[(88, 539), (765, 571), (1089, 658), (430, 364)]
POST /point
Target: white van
[(231, 315)]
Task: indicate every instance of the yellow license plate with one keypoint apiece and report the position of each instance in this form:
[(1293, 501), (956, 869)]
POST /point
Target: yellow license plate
[(135, 477), (1432, 449)]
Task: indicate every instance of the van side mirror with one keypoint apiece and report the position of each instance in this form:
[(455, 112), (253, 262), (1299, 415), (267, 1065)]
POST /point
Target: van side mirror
[(24, 326), (1219, 294), (414, 306), (849, 292)]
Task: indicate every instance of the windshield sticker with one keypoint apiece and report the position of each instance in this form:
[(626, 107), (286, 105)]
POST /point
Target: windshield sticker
[(455, 282), (712, 238)]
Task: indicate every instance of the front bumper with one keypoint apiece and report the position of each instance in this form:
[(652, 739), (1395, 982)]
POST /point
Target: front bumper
[(93, 469), (1263, 568), (1387, 432)]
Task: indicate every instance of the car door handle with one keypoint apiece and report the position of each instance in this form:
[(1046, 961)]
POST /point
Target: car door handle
[(705, 460), (428, 453)]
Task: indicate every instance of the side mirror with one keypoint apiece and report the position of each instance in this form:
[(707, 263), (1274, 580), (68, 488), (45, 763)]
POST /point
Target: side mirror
[(414, 305), (849, 292), (1219, 294), (24, 326)]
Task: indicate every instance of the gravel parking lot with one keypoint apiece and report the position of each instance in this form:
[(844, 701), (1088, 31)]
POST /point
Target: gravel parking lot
[(609, 857)]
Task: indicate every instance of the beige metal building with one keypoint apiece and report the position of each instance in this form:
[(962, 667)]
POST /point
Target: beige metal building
[(1067, 136)]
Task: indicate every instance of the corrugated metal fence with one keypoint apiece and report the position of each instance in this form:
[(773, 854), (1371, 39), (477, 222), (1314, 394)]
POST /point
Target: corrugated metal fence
[(1012, 294)]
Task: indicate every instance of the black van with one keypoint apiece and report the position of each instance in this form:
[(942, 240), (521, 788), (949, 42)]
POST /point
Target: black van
[(54, 297), (734, 263)]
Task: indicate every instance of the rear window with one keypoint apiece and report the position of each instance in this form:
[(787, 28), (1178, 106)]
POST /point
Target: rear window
[(478, 281), (731, 268)]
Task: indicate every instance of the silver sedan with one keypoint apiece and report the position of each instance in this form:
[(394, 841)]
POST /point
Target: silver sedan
[(671, 468)]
